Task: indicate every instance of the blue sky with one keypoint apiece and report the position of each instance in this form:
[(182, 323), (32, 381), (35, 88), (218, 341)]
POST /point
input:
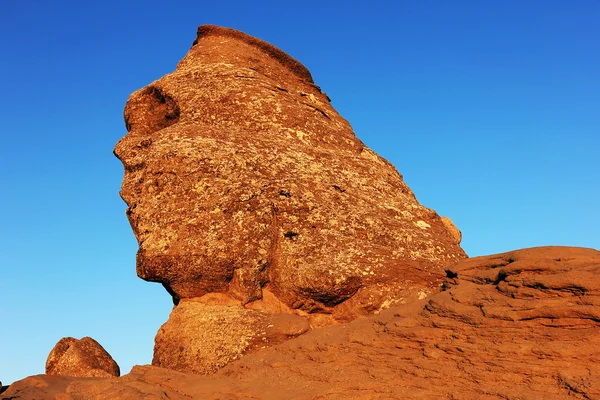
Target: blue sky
[(490, 110)]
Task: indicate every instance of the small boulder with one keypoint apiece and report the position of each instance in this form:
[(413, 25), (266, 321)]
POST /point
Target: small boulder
[(454, 231), (81, 358)]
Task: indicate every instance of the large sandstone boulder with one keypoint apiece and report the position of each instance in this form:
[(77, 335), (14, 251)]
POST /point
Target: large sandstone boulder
[(519, 325), (241, 176), (84, 358)]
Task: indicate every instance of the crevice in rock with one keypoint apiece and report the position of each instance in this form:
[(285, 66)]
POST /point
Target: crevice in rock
[(290, 235), (317, 109), (451, 274), (174, 296), (566, 385), (502, 275)]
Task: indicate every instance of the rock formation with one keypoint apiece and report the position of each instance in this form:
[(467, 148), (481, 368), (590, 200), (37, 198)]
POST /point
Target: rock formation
[(520, 325), (201, 338), (240, 175), (454, 231), (242, 179), (82, 358)]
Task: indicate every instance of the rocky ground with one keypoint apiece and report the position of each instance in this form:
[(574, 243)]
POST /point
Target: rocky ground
[(519, 325)]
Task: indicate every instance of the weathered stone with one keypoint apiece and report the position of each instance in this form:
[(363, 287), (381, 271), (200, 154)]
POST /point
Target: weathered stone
[(521, 325), (454, 231), (240, 176), (82, 358), (202, 338)]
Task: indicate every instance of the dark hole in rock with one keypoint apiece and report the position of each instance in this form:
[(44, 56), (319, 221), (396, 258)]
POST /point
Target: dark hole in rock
[(502, 275), (145, 143), (450, 274), (290, 235)]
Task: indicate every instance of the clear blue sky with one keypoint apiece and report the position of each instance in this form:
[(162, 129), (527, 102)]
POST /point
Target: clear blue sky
[(490, 110)]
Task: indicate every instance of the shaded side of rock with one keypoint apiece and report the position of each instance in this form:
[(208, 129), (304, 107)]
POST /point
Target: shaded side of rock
[(82, 358)]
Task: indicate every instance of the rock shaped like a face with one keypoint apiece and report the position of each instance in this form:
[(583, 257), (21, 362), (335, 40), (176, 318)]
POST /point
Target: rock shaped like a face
[(81, 358), (240, 176)]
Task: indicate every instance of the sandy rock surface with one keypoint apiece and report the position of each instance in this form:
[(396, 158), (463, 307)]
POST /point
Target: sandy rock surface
[(80, 357), (518, 325)]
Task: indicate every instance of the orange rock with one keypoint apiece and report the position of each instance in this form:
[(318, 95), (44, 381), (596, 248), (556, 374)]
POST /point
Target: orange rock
[(242, 179), (82, 358), (240, 176), (202, 338), (523, 324), (454, 231)]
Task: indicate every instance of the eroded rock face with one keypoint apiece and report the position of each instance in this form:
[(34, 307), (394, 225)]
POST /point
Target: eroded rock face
[(241, 176), (83, 358), (454, 231), (201, 338), (520, 325)]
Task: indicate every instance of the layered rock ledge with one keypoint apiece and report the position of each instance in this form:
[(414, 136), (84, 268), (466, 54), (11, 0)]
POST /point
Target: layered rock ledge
[(518, 325)]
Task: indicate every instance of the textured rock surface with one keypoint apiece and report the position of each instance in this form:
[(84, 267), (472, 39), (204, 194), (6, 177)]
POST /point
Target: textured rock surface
[(201, 338), (240, 176), (454, 231), (519, 325), (83, 358)]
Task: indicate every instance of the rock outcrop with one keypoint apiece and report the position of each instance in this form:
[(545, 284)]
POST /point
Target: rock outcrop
[(82, 358), (241, 179), (520, 325), (240, 175), (202, 337)]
